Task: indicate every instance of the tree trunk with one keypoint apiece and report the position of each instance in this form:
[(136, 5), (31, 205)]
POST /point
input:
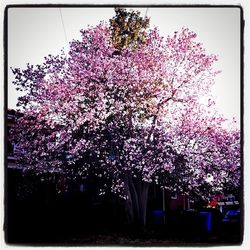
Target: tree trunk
[(143, 201), (136, 202)]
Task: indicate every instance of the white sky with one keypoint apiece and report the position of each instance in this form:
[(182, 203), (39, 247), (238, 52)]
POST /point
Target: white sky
[(36, 32)]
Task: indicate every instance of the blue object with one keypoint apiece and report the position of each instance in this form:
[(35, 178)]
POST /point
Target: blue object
[(232, 213), (232, 216), (207, 220), (158, 216), (158, 212), (82, 188)]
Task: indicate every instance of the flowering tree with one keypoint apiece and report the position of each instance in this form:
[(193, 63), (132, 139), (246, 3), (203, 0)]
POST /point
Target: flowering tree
[(129, 110)]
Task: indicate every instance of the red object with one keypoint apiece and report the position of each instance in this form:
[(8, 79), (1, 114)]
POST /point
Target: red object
[(213, 203)]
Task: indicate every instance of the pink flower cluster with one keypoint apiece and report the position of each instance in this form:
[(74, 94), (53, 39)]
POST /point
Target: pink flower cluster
[(134, 110)]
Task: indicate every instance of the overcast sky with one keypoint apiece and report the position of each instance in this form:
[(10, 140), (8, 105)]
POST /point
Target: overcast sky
[(36, 32)]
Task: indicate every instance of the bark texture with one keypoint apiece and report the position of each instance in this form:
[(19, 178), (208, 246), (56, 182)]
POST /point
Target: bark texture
[(136, 202)]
